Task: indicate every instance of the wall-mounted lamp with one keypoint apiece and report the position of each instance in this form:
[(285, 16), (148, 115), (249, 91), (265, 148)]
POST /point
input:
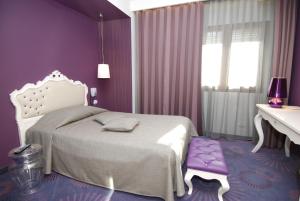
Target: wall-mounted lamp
[(93, 100), (103, 69)]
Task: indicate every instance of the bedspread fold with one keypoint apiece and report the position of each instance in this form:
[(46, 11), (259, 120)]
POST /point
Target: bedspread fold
[(147, 161)]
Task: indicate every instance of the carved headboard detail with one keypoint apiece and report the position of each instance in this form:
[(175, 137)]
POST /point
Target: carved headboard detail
[(54, 92)]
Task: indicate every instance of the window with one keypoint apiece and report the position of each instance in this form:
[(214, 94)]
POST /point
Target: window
[(231, 56), (212, 59)]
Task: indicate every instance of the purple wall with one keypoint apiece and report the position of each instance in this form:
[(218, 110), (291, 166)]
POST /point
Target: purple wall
[(295, 81), (37, 37), (115, 93)]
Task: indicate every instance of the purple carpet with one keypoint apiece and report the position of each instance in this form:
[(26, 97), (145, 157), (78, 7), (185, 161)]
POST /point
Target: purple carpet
[(265, 176)]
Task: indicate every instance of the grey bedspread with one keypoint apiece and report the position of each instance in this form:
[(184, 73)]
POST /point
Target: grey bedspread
[(146, 161)]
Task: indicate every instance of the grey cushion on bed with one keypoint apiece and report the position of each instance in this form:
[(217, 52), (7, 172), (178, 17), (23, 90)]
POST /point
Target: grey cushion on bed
[(122, 124)]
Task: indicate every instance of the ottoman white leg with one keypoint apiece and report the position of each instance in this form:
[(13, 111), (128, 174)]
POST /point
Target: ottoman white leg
[(223, 188), (188, 177), (208, 176)]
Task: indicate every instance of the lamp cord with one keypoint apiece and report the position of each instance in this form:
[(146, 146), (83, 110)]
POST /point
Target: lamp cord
[(100, 35)]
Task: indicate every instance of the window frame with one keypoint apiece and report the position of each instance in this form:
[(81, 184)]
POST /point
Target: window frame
[(226, 40)]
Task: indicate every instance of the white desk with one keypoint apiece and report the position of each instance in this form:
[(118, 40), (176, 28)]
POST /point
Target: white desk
[(286, 120)]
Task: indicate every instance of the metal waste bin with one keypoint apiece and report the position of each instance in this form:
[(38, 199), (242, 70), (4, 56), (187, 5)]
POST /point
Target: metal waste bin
[(27, 169)]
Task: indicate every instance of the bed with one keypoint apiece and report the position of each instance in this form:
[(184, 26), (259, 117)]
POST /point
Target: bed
[(146, 161)]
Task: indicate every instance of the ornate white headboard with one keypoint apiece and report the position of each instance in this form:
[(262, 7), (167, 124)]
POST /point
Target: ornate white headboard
[(54, 92)]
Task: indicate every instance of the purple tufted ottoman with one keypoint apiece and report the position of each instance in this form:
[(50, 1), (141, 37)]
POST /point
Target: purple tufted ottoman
[(206, 160)]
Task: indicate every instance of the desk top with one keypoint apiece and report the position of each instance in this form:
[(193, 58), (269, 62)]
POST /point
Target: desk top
[(287, 115)]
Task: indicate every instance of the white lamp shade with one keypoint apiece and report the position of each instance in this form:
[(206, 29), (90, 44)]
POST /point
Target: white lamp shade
[(103, 71)]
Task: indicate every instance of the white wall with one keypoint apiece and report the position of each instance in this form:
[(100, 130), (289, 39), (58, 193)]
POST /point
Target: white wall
[(127, 6), (148, 4), (123, 5)]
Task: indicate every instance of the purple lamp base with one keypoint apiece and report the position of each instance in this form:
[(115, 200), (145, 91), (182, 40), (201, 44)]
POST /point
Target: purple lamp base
[(276, 102)]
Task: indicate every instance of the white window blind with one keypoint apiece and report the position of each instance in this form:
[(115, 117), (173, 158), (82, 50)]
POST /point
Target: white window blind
[(231, 56)]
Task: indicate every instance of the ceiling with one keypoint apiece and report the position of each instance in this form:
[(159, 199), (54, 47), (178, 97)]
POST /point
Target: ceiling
[(92, 8)]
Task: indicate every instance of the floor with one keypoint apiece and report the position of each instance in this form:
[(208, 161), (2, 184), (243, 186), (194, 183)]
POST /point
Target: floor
[(265, 176)]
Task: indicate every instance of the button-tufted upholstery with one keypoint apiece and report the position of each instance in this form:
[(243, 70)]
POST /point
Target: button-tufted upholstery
[(206, 155), (50, 96)]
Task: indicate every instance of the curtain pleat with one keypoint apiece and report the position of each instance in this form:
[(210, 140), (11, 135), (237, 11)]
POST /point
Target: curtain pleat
[(285, 29), (284, 37), (169, 43)]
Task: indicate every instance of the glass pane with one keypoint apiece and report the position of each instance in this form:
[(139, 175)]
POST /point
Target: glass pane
[(211, 64), (243, 64)]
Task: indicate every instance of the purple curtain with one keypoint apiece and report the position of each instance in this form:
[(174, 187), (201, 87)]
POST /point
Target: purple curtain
[(284, 37), (169, 60)]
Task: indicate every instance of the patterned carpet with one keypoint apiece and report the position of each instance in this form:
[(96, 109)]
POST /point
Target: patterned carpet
[(265, 176)]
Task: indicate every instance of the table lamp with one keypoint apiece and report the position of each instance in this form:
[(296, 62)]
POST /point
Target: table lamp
[(277, 92)]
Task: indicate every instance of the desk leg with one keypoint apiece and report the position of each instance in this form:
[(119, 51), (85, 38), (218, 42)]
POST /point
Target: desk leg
[(257, 123), (287, 144)]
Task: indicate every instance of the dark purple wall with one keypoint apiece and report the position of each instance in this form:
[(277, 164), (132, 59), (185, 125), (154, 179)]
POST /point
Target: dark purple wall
[(115, 93), (295, 81), (37, 37)]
